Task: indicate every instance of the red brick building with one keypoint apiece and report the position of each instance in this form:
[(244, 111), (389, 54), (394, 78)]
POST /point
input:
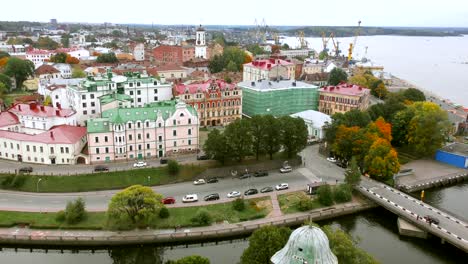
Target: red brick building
[(218, 103), (166, 54), (188, 53)]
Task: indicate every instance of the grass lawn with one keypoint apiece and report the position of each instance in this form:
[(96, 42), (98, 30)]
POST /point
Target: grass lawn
[(255, 209), (288, 202), (104, 180)]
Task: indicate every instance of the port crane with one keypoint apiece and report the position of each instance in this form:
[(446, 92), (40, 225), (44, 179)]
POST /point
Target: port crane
[(353, 44), (336, 45), (302, 42), (325, 41)]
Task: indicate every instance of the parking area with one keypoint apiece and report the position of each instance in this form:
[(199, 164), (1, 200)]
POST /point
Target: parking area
[(426, 170)]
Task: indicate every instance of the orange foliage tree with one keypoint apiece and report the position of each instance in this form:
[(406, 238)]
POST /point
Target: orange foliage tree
[(71, 60), (381, 162)]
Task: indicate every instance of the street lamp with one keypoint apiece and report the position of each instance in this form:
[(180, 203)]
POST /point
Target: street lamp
[(37, 184)]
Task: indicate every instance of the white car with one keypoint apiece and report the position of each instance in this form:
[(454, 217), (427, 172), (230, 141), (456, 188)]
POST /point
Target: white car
[(286, 169), (233, 194), (139, 164), (331, 159), (199, 182), (190, 198), (282, 186)]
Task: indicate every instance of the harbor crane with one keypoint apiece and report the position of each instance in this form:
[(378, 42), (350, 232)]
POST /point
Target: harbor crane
[(302, 42), (336, 45), (352, 45), (325, 41)]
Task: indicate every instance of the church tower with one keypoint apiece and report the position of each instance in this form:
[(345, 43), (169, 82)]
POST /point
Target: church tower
[(200, 43)]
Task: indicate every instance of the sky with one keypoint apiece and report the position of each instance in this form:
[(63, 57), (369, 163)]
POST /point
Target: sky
[(415, 13)]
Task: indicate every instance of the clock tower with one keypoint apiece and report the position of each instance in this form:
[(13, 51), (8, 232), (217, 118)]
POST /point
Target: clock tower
[(200, 43)]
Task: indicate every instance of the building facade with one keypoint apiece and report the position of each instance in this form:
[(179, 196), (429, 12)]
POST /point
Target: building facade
[(278, 98), (200, 43), (315, 122), (154, 131), (343, 98), (216, 102), (139, 52), (269, 69), (166, 54)]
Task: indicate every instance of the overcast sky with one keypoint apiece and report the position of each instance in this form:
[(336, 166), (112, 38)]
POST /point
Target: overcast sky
[(431, 13)]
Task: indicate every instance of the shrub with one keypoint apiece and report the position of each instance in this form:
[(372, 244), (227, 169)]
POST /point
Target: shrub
[(164, 213), (18, 181), (305, 204), (325, 195), (342, 193), (202, 218), (238, 204), (75, 211), (60, 217), (173, 167)]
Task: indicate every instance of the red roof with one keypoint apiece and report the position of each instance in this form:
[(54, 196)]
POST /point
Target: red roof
[(203, 86), (39, 51), (63, 134), (8, 119), (46, 69), (169, 67), (53, 87), (345, 89), (33, 109), (267, 64)]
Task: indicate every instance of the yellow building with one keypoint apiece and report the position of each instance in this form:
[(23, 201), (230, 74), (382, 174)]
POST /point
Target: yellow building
[(343, 98)]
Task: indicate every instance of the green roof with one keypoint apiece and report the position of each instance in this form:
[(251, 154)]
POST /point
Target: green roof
[(98, 125), (108, 98)]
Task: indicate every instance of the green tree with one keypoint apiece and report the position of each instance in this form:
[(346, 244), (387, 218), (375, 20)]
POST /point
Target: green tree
[(285, 46), (231, 67), (293, 135), (4, 54), (20, 70), (258, 127), (136, 206), (216, 146), (400, 124), (379, 90), (264, 243), (216, 64), (195, 259), (325, 195), (202, 218), (65, 41), (117, 33), (75, 211), (77, 72), (60, 57), (3, 90), (235, 55), (323, 55), (414, 95), (352, 173), (107, 58), (45, 43), (255, 49), (381, 162), (345, 247), (336, 76), (238, 204), (164, 212), (173, 167), (239, 138), (272, 135), (137, 255), (351, 118), (5, 80), (342, 193)]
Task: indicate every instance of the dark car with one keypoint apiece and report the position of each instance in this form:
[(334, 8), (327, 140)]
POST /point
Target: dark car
[(245, 176), (101, 168), (431, 220), (341, 164), (251, 192), (266, 189), (212, 180), (163, 161), (26, 169), (211, 197), (203, 157), (168, 200), (260, 173)]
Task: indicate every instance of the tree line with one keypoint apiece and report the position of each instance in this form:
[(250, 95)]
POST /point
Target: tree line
[(259, 135)]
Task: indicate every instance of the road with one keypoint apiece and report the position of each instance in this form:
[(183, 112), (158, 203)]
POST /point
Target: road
[(316, 167)]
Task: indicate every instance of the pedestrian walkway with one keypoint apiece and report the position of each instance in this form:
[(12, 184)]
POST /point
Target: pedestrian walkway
[(276, 210)]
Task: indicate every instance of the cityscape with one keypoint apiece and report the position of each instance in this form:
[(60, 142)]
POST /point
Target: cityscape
[(218, 140)]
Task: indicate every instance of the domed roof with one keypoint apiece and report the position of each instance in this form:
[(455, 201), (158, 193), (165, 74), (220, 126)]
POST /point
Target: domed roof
[(307, 244)]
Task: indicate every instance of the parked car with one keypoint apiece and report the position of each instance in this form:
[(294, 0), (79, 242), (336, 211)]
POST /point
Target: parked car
[(199, 182), (341, 164), (282, 186), (251, 192), (203, 157), (139, 164), (233, 194), (168, 200), (212, 180), (101, 168), (260, 173), (431, 219), (190, 198), (331, 159), (286, 169), (266, 189), (211, 197), (27, 169), (163, 161), (245, 176)]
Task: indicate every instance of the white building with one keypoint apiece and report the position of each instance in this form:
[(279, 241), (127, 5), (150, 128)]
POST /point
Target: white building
[(38, 57), (57, 90), (291, 53), (200, 43), (14, 50), (269, 69), (64, 68), (315, 122), (139, 52)]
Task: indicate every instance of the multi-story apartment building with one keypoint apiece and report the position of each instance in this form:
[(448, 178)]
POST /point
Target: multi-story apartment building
[(343, 98), (38, 57), (156, 130), (218, 103), (278, 98), (167, 54), (269, 69)]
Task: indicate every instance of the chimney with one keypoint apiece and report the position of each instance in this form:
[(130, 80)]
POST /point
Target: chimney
[(19, 107), (59, 106), (57, 112), (52, 134), (32, 106), (42, 108)]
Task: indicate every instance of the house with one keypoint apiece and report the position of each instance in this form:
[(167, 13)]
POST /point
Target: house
[(319, 79), (38, 57), (172, 72), (64, 69), (156, 130), (47, 72), (269, 69), (455, 154), (315, 122), (217, 103), (343, 98)]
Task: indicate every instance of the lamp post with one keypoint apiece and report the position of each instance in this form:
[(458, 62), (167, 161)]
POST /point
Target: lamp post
[(37, 184)]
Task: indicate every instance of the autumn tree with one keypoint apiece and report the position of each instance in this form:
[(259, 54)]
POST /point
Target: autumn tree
[(293, 135), (71, 60), (20, 70), (337, 75), (381, 162), (239, 138), (264, 243), (136, 206)]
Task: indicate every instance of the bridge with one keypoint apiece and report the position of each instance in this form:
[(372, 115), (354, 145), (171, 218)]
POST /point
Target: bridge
[(450, 229)]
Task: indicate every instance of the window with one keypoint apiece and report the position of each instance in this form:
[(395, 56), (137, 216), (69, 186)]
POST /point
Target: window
[(174, 133), (174, 122), (51, 150), (67, 150), (97, 150), (147, 135), (138, 124), (84, 104), (93, 104), (155, 98), (131, 148), (190, 131), (131, 92), (160, 138), (139, 136), (175, 143), (138, 84), (83, 96), (190, 142), (61, 150), (85, 112), (130, 137), (147, 124), (129, 125), (159, 125), (139, 147), (17, 147), (160, 146), (96, 139), (147, 146), (107, 150), (138, 92), (34, 148), (155, 90), (106, 139), (130, 85), (93, 111), (27, 147), (201, 106), (92, 96), (190, 121)]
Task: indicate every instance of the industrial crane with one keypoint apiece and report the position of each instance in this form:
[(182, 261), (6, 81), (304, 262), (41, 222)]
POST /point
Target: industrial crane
[(302, 41), (336, 45), (352, 45), (325, 41)]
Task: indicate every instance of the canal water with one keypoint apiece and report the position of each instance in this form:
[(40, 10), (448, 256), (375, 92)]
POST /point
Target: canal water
[(375, 230)]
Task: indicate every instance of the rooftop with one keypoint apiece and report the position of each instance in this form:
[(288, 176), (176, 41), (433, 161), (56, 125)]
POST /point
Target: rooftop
[(34, 109), (8, 119), (268, 86), (346, 89), (267, 64), (46, 69), (203, 86), (105, 99), (318, 119), (63, 134), (457, 148)]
